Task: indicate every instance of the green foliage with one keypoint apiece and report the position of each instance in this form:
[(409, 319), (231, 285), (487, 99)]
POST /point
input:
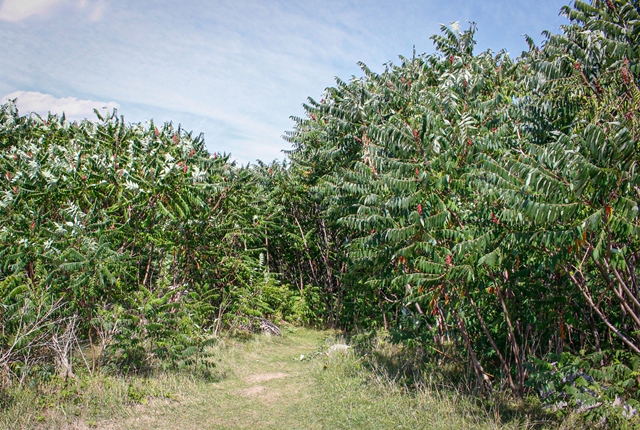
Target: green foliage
[(486, 202), (605, 385), (134, 230)]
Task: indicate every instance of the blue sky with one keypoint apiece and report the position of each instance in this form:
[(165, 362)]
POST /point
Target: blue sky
[(233, 70)]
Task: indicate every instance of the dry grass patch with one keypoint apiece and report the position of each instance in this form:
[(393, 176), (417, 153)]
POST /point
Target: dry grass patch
[(261, 377)]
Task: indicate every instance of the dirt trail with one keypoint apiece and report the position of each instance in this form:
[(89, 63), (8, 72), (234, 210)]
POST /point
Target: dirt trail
[(265, 385), (269, 383)]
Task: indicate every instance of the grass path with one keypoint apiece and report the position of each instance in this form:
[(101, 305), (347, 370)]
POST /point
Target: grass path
[(265, 385)]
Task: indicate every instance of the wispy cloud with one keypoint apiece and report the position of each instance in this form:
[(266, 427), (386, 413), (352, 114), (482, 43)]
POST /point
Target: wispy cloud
[(19, 10), (233, 70), (42, 104)]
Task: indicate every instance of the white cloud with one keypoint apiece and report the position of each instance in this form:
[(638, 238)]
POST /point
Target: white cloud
[(233, 70), (17, 10), (73, 108)]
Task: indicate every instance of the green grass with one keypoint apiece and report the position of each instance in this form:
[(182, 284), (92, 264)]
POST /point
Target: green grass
[(262, 383), (84, 402)]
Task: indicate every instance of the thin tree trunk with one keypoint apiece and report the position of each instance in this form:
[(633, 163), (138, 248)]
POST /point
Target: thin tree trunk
[(382, 311), (483, 379), (148, 269), (585, 292), (306, 248), (512, 337), (626, 288), (626, 309), (505, 366)]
